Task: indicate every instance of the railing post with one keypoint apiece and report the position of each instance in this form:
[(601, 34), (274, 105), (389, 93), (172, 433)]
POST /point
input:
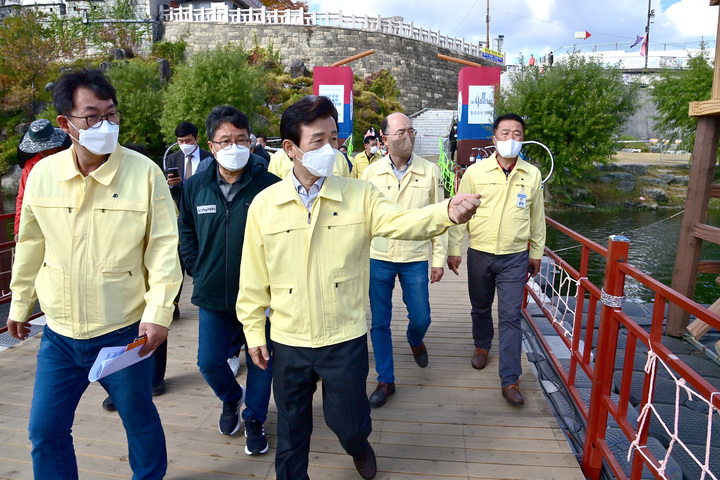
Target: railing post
[(618, 248)]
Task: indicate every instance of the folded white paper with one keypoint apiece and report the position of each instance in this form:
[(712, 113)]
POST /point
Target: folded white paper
[(113, 359)]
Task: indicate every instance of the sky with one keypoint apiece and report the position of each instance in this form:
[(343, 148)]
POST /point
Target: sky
[(540, 26)]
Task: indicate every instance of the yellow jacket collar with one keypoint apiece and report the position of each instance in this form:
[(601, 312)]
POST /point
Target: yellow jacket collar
[(330, 189), (491, 163), (104, 174)]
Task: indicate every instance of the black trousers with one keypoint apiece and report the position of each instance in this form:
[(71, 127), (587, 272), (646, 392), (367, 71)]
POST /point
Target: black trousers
[(343, 369)]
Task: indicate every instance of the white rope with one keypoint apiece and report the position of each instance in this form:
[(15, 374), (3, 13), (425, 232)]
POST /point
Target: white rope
[(559, 295), (649, 409)]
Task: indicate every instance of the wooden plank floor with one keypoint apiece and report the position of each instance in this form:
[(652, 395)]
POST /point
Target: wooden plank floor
[(446, 421)]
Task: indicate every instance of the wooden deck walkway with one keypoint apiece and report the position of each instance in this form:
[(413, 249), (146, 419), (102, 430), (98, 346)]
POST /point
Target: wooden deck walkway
[(447, 421)]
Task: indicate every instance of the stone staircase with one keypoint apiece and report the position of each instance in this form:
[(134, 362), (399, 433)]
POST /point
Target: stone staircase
[(430, 123)]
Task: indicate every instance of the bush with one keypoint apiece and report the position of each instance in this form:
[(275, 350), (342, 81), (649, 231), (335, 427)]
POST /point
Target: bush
[(222, 76), (8, 153), (140, 100), (173, 52)]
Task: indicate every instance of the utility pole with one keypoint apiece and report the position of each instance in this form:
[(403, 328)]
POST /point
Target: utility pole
[(487, 20), (651, 14)]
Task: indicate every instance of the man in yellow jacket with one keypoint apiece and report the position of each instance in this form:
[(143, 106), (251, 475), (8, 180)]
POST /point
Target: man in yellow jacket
[(365, 158), (98, 244), (511, 217), (306, 256), (412, 182)]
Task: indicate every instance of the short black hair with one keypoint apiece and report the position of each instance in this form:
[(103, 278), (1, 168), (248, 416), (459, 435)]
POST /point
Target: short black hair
[(260, 135), (186, 128), (508, 116), (368, 139), (303, 112), (225, 114), (92, 79)]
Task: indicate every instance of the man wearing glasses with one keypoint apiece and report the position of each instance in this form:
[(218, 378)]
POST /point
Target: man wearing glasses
[(213, 211), (95, 291), (412, 182)]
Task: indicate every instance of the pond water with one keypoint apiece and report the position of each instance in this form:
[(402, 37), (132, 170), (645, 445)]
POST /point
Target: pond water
[(653, 235)]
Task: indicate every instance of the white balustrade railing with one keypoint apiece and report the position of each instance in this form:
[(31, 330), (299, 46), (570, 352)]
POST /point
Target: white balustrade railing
[(225, 14)]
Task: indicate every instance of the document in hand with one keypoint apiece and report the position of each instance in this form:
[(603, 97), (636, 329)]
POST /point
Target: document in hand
[(112, 359)]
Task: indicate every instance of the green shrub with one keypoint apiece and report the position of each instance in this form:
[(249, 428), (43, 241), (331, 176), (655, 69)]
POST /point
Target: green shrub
[(140, 99), (8, 153), (222, 76), (174, 52)]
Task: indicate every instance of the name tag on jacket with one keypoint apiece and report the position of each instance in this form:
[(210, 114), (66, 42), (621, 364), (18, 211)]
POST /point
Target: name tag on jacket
[(201, 209)]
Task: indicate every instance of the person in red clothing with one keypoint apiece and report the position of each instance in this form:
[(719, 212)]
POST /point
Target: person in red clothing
[(43, 140)]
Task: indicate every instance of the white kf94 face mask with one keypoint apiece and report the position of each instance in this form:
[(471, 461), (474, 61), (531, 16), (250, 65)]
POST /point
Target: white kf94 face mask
[(100, 141), (233, 158), (320, 162), (509, 148)]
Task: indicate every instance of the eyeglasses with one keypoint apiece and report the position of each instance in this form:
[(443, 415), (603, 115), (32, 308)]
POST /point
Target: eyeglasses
[(95, 121), (403, 133), (225, 144)]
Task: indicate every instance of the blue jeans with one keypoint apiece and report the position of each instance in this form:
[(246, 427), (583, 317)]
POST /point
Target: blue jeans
[(221, 335), (63, 364), (414, 282), (507, 273)]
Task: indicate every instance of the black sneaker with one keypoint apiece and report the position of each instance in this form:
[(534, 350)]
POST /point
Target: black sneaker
[(108, 404), (230, 419), (256, 443)]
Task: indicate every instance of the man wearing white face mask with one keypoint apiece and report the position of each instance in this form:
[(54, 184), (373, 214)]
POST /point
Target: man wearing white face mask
[(306, 256), (190, 155), (212, 219), (368, 156), (511, 216), (98, 244)]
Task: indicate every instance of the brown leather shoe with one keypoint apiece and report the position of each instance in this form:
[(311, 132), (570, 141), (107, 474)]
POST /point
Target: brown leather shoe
[(480, 358), (512, 394), (381, 394), (420, 355), (366, 464)]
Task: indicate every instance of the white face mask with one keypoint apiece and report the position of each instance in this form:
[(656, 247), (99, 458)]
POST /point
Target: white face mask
[(100, 141), (373, 150), (320, 162), (509, 148), (187, 149), (234, 158)]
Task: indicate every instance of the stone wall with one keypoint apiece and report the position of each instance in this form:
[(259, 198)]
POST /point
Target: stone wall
[(424, 81)]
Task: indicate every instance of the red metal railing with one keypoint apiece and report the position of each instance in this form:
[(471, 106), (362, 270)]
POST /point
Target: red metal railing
[(600, 370), (6, 247)]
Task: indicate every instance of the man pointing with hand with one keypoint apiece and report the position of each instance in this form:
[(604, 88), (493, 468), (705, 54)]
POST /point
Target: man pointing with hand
[(306, 256)]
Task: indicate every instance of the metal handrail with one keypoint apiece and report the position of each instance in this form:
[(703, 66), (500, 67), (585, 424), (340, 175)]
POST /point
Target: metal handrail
[(601, 369)]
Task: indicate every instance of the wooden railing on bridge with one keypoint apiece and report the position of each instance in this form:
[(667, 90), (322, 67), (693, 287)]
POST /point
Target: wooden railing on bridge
[(225, 14), (599, 365)]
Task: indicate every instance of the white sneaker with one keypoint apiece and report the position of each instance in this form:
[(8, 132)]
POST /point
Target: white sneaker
[(234, 363)]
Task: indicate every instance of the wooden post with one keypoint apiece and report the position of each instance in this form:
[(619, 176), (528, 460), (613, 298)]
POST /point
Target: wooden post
[(698, 194)]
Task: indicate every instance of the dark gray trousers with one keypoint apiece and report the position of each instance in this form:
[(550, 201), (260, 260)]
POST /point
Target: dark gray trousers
[(507, 273)]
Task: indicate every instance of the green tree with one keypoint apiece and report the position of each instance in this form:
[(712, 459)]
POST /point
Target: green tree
[(576, 108), (674, 90), (222, 76), (27, 52), (140, 99)]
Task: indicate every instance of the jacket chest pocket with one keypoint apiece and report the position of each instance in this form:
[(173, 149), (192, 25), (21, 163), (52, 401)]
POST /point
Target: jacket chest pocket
[(128, 220), (419, 195)]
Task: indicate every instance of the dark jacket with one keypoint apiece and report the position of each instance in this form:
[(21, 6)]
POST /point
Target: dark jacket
[(212, 232), (177, 160)]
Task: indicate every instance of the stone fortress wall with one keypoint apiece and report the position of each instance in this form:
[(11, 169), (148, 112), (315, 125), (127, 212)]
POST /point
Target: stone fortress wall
[(424, 81)]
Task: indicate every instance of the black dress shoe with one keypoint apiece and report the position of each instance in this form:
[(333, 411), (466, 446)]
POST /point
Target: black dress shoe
[(381, 394), (420, 355), (366, 464), (108, 404), (158, 389)]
